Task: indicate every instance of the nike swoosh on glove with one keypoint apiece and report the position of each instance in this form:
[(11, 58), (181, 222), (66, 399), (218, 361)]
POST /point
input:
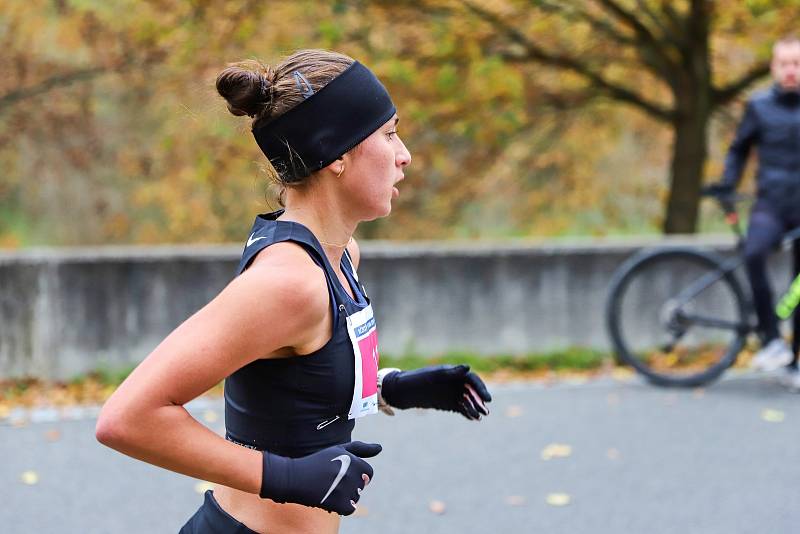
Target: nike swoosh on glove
[(331, 479), (442, 387)]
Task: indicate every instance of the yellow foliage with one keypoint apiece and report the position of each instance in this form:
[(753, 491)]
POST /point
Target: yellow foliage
[(119, 137)]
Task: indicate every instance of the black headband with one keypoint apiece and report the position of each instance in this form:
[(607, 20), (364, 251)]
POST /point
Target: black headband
[(326, 124)]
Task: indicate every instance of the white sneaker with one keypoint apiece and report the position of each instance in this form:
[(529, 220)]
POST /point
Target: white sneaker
[(773, 356), (791, 380)]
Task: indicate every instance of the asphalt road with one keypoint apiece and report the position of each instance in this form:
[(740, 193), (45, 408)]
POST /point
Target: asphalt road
[(628, 458)]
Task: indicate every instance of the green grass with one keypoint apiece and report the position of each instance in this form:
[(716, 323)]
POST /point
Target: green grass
[(96, 386), (572, 359), (106, 376), (576, 358)]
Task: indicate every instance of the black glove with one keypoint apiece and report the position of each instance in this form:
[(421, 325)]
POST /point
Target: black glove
[(443, 387), (331, 479), (718, 189)]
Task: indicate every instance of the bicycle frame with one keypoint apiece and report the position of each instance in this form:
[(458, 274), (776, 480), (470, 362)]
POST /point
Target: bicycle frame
[(701, 284), (787, 303), (790, 300)]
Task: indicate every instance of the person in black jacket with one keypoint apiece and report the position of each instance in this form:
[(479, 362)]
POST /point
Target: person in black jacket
[(772, 123)]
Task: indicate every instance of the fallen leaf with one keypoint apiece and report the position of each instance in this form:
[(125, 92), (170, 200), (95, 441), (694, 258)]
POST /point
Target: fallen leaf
[(515, 500), (558, 499), (29, 477), (699, 393), (556, 450), (437, 507), (622, 373), (210, 416), (361, 511), (514, 411), (576, 379), (203, 486), (612, 454), (52, 435), (773, 416)]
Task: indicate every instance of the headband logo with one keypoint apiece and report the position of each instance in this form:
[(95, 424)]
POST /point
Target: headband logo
[(302, 84)]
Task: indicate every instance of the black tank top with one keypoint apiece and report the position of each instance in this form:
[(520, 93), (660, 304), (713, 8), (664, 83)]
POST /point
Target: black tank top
[(297, 405)]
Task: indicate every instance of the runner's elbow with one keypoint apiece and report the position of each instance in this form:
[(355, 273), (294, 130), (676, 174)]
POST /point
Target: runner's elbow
[(113, 428)]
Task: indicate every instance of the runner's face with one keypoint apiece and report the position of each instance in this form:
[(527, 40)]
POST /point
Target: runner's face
[(373, 170), (786, 66)]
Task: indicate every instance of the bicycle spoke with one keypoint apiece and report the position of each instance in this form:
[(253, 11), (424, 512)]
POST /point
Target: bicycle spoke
[(713, 322)]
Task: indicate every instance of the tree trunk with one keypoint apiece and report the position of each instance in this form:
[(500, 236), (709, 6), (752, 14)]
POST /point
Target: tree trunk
[(686, 172), (693, 106)]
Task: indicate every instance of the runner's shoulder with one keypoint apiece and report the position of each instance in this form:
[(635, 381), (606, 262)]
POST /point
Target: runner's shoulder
[(285, 274)]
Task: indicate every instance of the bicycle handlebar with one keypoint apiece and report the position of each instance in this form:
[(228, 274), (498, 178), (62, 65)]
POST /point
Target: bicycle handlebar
[(727, 198), (725, 195)]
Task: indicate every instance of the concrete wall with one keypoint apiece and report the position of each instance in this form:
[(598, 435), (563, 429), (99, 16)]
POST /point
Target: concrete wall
[(67, 311)]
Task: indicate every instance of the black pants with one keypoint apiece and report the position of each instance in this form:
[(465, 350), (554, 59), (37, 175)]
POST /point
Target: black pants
[(211, 519), (764, 234)]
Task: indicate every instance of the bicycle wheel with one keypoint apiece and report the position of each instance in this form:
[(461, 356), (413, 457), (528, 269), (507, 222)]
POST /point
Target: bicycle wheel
[(676, 316)]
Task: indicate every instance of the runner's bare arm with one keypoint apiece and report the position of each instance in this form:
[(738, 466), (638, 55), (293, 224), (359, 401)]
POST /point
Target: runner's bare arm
[(278, 303)]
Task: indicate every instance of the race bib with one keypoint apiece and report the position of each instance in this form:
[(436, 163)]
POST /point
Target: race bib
[(364, 338)]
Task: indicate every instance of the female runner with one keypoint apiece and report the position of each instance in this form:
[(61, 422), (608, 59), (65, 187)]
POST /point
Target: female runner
[(293, 335)]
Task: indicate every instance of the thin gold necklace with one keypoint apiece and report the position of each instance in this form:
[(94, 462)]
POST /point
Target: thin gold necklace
[(337, 245)]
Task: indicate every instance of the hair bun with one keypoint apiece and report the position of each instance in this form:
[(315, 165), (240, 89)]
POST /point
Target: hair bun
[(246, 86)]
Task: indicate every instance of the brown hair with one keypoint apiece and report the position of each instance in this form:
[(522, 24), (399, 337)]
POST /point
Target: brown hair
[(264, 93)]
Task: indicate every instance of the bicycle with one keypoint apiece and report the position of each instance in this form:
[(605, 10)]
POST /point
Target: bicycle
[(679, 314)]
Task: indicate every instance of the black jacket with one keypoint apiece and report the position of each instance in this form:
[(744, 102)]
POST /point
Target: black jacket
[(771, 121)]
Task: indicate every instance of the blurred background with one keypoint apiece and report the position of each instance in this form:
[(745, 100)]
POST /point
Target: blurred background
[(551, 140), (525, 118)]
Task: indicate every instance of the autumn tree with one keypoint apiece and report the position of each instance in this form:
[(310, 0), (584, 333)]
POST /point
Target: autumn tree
[(111, 131), (660, 57), (97, 140)]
